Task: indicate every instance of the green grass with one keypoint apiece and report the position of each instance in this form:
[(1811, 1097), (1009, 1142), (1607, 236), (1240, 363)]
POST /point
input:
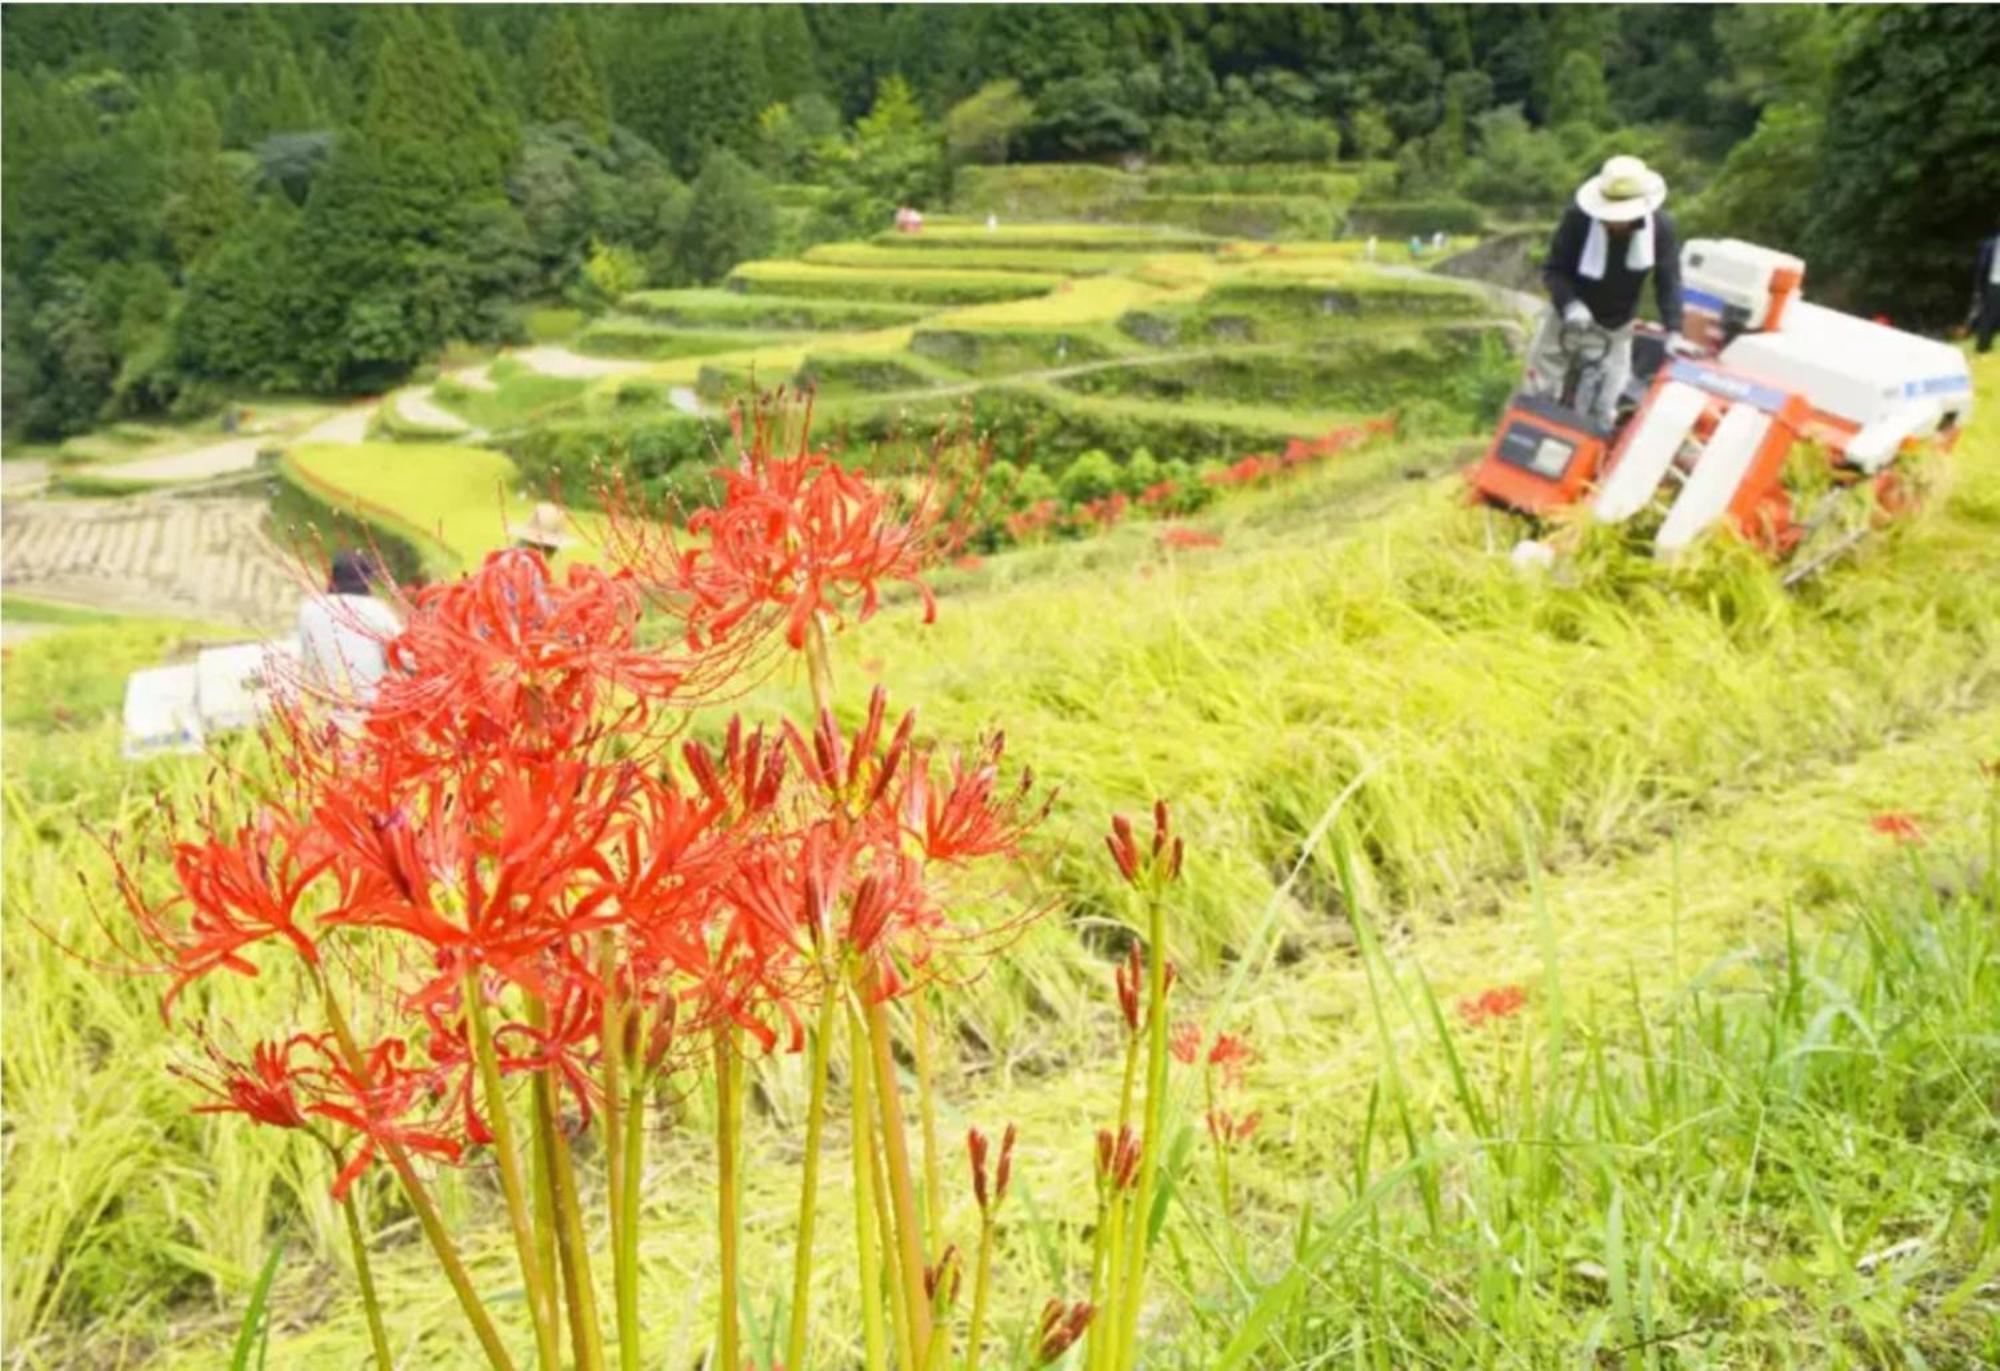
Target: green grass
[(89, 485), (971, 233), (24, 609), (911, 286), (1067, 260), (551, 324), (728, 309), (1758, 1046), (625, 336), (518, 396), (453, 501)]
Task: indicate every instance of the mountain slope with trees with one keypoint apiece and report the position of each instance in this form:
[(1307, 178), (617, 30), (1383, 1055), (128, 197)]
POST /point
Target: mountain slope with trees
[(204, 198)]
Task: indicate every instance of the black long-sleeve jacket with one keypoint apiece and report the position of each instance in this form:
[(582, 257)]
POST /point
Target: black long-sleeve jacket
[(1985, 292), (1615, 299)]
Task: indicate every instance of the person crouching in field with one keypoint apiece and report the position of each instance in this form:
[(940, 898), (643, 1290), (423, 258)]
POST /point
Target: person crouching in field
[(344, 634), (1609, 241), (1986, 293)]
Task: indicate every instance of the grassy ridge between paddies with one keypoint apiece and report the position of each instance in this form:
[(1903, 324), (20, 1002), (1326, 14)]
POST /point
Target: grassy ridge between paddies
[(1254, 684), (454, 501), (890, 284)]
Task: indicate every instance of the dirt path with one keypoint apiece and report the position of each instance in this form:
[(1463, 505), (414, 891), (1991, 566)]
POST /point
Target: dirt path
[(192, 557), (558, 361), (419, 406)]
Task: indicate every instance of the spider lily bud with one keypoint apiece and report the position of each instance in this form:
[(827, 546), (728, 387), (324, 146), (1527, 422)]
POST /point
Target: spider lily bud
[(943, 1277), (1150, 870), (1060, 1327)]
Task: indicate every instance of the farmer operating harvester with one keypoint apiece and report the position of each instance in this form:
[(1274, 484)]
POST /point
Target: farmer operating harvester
[(1752, 406)]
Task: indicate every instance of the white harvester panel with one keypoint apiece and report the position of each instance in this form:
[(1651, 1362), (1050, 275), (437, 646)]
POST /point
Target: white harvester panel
[(1750, 286), (162, 711), (1662, 427), (1857, 370), (1725, 460)]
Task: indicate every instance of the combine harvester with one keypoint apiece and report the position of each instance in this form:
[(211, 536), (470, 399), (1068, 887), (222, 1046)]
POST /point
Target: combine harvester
[(1723, 431)]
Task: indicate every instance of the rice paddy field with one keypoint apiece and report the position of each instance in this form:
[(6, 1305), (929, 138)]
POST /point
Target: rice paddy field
[(1619, 952)]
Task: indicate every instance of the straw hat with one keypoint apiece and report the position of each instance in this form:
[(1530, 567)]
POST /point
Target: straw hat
[(545, 528), (1625, 189)]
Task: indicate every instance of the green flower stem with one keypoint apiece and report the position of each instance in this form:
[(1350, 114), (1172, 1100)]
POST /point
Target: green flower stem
[(802, 1252), (927, 1113), (1154, 1140), (866, 1231), (378, 1336), (420, 1201), (728, 1216), (902, 1189), (982, 1280), (547, 1347), (586, 1336), (624, 1275)]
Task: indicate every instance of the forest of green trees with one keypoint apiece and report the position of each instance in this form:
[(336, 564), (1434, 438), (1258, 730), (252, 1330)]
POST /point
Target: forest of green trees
[(317, 198)]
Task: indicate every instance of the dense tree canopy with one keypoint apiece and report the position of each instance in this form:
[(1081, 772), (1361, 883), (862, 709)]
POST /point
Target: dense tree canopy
[(321, 196)]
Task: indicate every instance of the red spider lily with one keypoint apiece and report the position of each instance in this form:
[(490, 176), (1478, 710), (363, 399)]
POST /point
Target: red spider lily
[(1899, 826), (966, 816), (1037, 517), (1181, 538), (1228, 1129), (1130, 977), (1162, 865), (265, 1091), (969, 562), (744, 778), (1230, 1056), (1100, 513), (1117, 1158), (1247, 471), (794, 536), (1185, 1043), (1502, 1002), (977, 1145), (234, 894), (374, 1102), (1059, 1329), (943, 1274), (854, 776), (1159, 494)]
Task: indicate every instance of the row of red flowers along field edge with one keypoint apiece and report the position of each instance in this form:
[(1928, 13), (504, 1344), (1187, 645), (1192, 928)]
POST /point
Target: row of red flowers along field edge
[(506, 904), (1095, 493)]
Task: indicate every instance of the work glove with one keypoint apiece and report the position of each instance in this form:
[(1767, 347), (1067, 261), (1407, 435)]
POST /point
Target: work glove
[(1577, 312), (1677, 346)]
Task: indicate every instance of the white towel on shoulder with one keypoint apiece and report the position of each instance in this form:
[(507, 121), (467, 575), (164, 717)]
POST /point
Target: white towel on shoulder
[(1597, 247)]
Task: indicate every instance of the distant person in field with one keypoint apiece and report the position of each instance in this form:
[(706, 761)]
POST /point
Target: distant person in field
[(1609, 241), (1986, 293), (546, 531), (344, 634)]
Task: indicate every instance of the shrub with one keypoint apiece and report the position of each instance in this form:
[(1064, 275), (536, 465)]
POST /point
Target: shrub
[(1091, 475), (1397, 218)]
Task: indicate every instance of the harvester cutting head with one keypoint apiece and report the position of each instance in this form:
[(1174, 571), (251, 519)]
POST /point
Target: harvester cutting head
[(1782, 370)]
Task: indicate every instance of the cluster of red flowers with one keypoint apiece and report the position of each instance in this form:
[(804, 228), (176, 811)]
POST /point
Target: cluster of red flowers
[(1263, 466), (1159, 494), (1036, 518), (510, 832), (1501, 1002), (1904, 828), (1181, 538), (1101, 513)]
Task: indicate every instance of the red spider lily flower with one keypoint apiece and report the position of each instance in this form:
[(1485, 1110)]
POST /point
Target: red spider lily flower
[(944, 1274), (1180, 538), (1227, 1128), (794, 536), (234, 894), (375, 1102), (967, 817), (1502, 1002), (978, 1146), (1130, 978), (1059, 1329), (1230, 1056), (1158, 494), (1185, 1043), (969, 562), (854, 776), (745, 778), (1162, 865), (1031, 521), (265, 1091), (1899, 826), (1117, 1158)]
